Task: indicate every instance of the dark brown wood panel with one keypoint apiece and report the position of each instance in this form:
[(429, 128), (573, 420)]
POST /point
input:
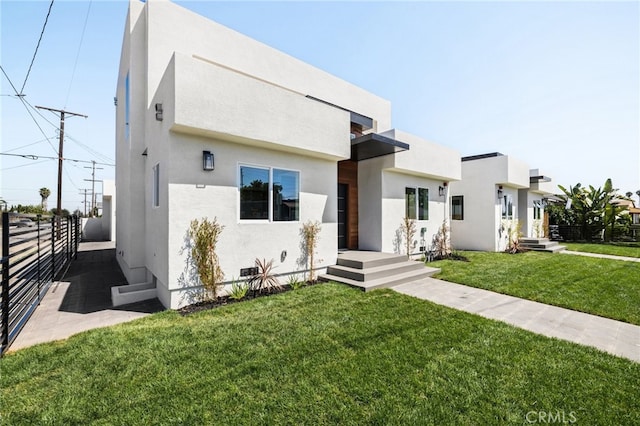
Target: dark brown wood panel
[(348, 175)]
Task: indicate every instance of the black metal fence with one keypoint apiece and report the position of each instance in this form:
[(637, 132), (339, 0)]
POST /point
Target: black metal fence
[(35, 249)]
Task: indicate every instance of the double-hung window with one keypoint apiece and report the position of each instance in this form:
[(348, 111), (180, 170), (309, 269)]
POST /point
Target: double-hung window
[(269, 194), (507, 206), (416, 203)]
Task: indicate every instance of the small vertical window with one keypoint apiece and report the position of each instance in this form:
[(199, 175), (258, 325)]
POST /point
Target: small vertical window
[(507, 206), (156, 185), (537, 210), (410, 203), (126, 108), (457, 207), (254, 193), (423, 204)]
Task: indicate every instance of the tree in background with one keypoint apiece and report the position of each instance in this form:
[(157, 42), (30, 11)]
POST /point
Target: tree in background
[(590, 208), (44, 194)]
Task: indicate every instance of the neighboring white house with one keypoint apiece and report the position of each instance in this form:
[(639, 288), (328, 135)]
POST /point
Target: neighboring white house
[(532, 202), (211, 123), (485, 202), (103, 227)]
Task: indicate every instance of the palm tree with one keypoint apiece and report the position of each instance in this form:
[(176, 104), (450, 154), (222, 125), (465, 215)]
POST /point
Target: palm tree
[(44, 193)]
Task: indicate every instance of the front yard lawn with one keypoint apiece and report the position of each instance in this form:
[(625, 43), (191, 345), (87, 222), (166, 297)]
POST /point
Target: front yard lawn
[(325, 354), (609, 288), (616, 249)]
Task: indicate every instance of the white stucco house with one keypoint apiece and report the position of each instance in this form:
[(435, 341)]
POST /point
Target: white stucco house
[(496, 193), (211, 123)]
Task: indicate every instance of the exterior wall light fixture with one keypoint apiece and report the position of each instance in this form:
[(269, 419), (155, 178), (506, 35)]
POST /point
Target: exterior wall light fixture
[(442, 189), (500, 192), (159, 112), (207, 161)]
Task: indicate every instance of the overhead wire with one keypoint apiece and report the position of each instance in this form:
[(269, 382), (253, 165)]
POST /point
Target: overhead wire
[(36, 157), (25, 103), (23, 165), (75, 64), (70, 137), (27, 145), (37, 46)]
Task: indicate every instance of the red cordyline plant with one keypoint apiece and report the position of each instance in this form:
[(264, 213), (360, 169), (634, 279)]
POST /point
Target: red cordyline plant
[(264, 280)]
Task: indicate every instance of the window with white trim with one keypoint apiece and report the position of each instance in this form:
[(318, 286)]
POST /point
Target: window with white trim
[(416, 207), (269, 194)]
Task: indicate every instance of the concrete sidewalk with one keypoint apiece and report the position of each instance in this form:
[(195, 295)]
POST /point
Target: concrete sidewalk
[(81, 300), (616, 337), (601, 256)]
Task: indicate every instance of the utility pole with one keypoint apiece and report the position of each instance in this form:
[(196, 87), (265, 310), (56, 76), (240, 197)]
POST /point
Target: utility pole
[(85, 202), (60, 157), (93, 185)]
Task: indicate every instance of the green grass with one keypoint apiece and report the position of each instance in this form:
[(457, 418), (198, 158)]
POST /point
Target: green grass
[(616, 249), (609, 288), (324, 354)]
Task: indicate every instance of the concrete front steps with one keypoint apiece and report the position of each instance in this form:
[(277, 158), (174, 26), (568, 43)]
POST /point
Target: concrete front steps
[(541, 244), (369, 270)]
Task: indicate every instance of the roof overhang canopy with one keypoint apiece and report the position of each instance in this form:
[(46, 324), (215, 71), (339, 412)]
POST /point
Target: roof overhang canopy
[(374, 145), (535, 179)]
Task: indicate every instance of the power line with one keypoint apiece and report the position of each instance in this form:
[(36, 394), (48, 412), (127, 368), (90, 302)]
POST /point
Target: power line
[(10, 82), (37, 157), (68, 136), (37, 46), (89, 149), (24, 146), (75, 64), (23, 165), (21, 97)]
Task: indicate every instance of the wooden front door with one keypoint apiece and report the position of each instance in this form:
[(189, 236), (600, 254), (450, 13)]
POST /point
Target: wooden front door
[(348, 205)]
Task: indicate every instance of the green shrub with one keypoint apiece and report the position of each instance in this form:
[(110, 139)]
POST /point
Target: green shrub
[(205, 237), (239, 290), (294, 282)]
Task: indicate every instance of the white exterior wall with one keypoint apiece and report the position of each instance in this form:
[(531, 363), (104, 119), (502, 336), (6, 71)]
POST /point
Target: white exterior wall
[(173, 28), (532, 228), (393, 207), (212, 100), (370, 204), (194, 193), (130, 166), (381, 188), (424, 158), (483, 228)]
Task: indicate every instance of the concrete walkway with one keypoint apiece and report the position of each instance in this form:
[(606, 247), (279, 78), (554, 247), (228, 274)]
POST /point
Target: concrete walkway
[(81, 300), (602, 256), (616, 337)]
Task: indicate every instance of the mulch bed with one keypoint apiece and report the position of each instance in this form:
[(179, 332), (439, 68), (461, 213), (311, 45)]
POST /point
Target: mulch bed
[(226, 300)]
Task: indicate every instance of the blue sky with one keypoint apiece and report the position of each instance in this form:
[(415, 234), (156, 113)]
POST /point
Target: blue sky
[(556, 84)]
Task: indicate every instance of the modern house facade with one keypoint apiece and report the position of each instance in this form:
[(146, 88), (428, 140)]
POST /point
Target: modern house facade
[(496, 196), (211, 123)]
